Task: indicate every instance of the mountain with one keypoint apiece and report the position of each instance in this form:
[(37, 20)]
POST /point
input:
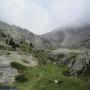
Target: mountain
[(50, 67), (20, 34), (69, 37), (76, 37), (55, 37)]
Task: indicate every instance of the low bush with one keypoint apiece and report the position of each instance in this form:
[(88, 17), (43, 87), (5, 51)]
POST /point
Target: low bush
[(66, 72), (18, 66), (24, 47), (2, 47), (21, 78)]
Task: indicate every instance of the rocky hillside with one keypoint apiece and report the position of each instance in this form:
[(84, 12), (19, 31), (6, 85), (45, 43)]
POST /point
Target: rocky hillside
[(75, 37), (45, 69), (55, 37), (20, 34), (67, 37), (78, 61)]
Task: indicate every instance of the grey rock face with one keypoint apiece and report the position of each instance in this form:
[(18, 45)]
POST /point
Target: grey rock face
[(76, 37), (7, 74), (68, 37), (55, 37), (20, 34), (77, 61)]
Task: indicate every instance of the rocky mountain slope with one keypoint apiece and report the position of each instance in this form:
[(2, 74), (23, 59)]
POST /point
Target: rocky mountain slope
[(55, 37), (7, 73), (20, 34), (55, 69), (67, 37), (62, 37), (77, 60)]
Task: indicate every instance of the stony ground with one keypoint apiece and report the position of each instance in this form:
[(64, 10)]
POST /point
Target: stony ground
[(7, 73), (66, 50)]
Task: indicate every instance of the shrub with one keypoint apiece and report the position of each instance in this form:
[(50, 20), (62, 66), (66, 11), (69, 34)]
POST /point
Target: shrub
[(73, 56), (18, 66), (66, 72), (8, 53), (13, 44), (41, 57), (3, 47), (24, 47), (22, 72), (21, 78)]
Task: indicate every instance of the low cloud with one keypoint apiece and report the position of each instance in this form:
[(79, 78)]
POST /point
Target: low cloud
[(41, 16)]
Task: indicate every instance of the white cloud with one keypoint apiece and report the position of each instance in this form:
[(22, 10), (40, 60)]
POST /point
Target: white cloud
[(69, 12), (27, 14), (41, 16)]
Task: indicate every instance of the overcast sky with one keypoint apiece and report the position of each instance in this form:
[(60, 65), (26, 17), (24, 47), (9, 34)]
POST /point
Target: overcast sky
[(41, 16)]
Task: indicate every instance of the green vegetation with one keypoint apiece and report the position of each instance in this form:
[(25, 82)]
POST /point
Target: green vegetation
[(86, 74), (43, 78), (41, 56), (21, 78), (73, 55), (18, 66), (24, 47), (5, 47), (66, 72), (31, 47), (21, 70)]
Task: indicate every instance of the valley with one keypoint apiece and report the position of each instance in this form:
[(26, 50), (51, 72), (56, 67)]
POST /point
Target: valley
[(44, 62)]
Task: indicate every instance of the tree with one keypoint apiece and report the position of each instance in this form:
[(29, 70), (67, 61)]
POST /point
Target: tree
[(7, 41), (13, 44), (31, 46)]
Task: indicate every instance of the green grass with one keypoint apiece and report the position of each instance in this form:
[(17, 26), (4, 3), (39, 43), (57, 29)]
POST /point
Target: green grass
[(43, 77), (25, 47), (41, 57), (6, 47), (18, 66), (21, 70)]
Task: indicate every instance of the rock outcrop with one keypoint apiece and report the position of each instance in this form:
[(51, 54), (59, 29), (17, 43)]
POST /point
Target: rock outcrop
[(78, 61), (75, 37), (20, 34)]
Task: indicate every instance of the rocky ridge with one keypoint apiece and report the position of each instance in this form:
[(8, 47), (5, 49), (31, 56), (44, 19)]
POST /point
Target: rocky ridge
[(78, 61)]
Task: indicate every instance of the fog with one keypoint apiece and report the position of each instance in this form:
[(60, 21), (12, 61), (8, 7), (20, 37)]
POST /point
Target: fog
[(42, 16)]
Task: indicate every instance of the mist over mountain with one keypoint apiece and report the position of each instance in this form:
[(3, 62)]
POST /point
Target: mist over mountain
[(44, 44), (41, 16), (65, 50), (61, 37), (68, 36)]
